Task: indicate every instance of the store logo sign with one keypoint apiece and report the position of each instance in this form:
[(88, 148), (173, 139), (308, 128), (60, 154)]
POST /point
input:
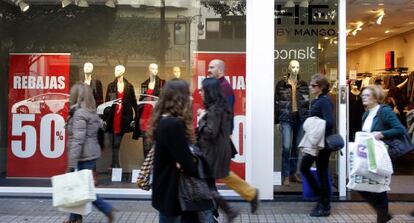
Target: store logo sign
[(304, 19)]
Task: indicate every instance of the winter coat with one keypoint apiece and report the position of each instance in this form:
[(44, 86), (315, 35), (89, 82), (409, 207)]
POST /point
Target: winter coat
[(159, 83), (283, 101), (213, 136), (392, 126), (171, 147), (314, 138), (97, 91), (82, 129), (129, 106)]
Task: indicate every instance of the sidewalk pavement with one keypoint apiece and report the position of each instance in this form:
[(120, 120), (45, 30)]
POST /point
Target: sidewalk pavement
[(40, 210)]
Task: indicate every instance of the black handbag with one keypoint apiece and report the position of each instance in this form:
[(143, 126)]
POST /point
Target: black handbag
[(334, 142), (194, 193), (397, 146)]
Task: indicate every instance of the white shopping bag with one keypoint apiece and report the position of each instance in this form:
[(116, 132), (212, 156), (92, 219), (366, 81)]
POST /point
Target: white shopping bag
[(372, 183), (82, 209), (379, 161), (73, 189)]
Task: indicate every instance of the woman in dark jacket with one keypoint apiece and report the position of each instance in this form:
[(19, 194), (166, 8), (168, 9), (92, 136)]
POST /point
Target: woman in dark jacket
[(383, 123), (213, 136), (321, 107), (83, 125), (171, 130)]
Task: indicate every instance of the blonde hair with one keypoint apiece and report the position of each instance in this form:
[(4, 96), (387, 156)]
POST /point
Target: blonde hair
[(81, 96), (377, 92)]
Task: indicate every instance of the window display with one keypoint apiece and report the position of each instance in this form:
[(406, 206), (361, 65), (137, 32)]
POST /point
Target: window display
[(124, 53)]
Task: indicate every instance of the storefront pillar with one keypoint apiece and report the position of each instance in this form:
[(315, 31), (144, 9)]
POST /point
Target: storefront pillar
[(342, 160), (260, 95)]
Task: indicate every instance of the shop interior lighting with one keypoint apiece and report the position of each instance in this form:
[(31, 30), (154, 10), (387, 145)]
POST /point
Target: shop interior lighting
[(290, 4), (387, 31), (23, 5), (66, 3), (110, 3), (82, 3), (304, 4), (379, 19)]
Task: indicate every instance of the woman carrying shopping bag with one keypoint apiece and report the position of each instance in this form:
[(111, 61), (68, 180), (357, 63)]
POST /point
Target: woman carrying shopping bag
[(383, 123), (171, 130), (214, 129), (322, 108), (82, 125)]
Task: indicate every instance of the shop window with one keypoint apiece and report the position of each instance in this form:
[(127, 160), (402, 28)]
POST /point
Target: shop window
[(213, 29), (227, 28), (179, 33)]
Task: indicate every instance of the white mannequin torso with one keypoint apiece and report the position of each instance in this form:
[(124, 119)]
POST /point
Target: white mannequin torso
[(120, 84), (88, 78)]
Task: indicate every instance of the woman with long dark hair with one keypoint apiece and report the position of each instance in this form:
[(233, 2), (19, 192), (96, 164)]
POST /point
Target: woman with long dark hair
[(83, 124), (213, 136), (171, 130)]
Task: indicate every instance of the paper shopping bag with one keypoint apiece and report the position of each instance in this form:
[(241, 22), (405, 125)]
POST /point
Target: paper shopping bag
[(73, 189), (82, 209)]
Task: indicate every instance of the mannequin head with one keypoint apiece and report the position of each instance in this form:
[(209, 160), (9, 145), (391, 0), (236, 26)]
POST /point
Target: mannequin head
[(119, 71), (294, 67), (88, 68), (153, 69), (177, 72), (216, 68)]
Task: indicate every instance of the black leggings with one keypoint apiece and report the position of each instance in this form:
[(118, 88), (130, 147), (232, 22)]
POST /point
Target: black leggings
[(379, 201), (322, 165)]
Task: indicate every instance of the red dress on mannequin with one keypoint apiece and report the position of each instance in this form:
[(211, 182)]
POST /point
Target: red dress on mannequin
[(146, 113), (118, 113)]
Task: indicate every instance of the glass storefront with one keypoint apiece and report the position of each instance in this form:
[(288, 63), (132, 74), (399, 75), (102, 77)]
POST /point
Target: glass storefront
[(306, 43), (48, 48)]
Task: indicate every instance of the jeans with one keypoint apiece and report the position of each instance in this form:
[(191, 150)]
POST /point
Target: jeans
[(379, 201), (116, 143), (245, 190), (292, 133), (99, 203), (322, 165), (169, 219)]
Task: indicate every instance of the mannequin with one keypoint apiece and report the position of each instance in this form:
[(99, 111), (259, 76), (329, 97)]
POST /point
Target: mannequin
[(151, 86), (356, 110), (291, 110), (121, 117), (176, 72), (95, 84)]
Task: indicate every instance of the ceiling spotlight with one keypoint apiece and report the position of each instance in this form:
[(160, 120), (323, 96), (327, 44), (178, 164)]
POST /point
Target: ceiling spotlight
[(111, 3), (304, 4), (82, 3), (387, 31), (289, 4), (381, 15), (23, 5), (66, 3)]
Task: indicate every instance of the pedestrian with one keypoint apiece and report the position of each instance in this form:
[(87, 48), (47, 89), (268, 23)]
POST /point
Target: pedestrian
[(214, 128), (171, 130), (383, 123), (216, 69), (321, 107), (82, 125)]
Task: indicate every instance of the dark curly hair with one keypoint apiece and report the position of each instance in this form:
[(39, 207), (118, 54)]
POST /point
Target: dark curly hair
[(174, 101)]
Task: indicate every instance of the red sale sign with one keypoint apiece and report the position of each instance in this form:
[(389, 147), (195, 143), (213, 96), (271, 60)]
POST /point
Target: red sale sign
[(236, 75), (38, 106)]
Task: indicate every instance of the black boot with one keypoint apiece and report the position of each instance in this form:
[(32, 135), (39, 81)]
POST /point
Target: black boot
[(231, 212), (321, 210)]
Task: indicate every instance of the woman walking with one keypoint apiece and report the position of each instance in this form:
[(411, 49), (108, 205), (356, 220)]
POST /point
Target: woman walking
[(83, 125), (171, 130), (322, 108), (383, 123), (213, 136)]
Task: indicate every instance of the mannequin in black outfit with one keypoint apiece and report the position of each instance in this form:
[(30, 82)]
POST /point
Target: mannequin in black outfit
[(356, 110)]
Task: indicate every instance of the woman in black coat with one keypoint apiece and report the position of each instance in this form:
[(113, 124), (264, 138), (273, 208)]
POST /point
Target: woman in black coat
[(171, 130), (213, 136)]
